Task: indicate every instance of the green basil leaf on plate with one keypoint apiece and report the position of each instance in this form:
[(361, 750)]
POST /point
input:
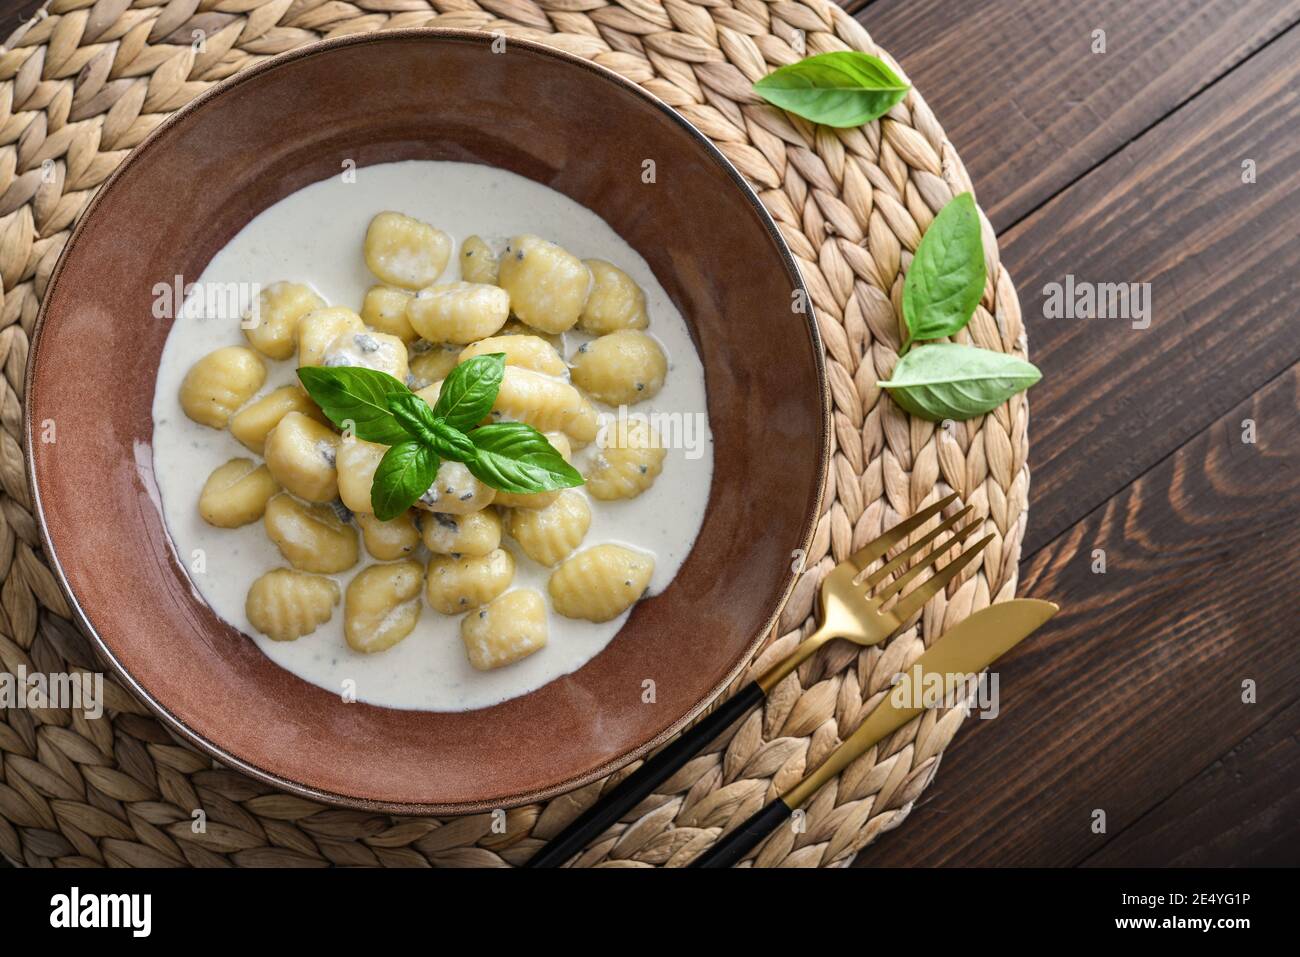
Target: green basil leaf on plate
[(414, 415), (358, 397), (404, 474), (946, 278), (952, 381), (846, 88), (452, 443), (515, 457), (468, 392)]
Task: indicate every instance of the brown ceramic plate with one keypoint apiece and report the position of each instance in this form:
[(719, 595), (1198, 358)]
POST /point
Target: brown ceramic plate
[(292, 121)]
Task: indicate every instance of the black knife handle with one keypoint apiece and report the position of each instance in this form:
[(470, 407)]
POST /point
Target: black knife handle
[(732, 848), (640, 784)]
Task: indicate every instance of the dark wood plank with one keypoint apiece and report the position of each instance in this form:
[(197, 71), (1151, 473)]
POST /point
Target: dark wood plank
[(1135, 688), (14, 12), (1170, 209), (1030, 107), (1244, 810)]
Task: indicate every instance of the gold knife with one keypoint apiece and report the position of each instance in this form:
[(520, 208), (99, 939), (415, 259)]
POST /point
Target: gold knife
[(965, 651)]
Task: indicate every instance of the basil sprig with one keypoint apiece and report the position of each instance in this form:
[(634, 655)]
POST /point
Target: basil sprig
[(941, 291), (844, 88), (509, 456)]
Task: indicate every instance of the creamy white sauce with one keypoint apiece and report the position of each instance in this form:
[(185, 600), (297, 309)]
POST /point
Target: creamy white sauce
[(314, 236)]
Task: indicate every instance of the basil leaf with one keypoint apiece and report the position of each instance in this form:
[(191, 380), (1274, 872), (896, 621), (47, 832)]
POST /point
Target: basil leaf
[(414, 415), (947, 380), (467, 395), (350, 395), (845, 88), (404, 474), (946, 279), (451, 443), (515, 457)]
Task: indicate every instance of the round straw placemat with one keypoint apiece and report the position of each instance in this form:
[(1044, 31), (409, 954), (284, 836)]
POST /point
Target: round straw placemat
[(84, 82)]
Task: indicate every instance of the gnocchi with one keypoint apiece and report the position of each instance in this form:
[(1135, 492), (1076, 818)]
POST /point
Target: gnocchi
[(549, 535), (312, 538), (457, 585), (368, 350), (384, 310), (236, 494), (560, 442), (391, 540), (284, 604), (621, 368), (509, 628), (458, 312), (584, 425), (526, 352), (318, 330), (356, 461), (628, 463), (616, 301), (477, 533), (220, 383), (382, 605), (273, 329), (455, 491), (524, 499), (254, 422), (546, 404), (548, 285), (601, 583), (514, 327), (302, 454), (478, 263), (404, 252), (432, 365)]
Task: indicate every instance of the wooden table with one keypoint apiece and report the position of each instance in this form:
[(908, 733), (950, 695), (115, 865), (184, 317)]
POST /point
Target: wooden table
[(1126, 166)]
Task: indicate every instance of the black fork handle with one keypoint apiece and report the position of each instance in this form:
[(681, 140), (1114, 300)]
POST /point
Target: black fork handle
[(640, 784), (733, 847)]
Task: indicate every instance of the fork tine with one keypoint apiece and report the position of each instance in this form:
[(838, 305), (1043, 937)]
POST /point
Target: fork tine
[(902, 558), (913, 600), (909, 576), (881, 546)]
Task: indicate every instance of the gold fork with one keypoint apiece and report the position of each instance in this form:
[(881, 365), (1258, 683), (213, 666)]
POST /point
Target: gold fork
[(849, 609)]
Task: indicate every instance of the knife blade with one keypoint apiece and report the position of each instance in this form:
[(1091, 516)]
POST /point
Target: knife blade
[(967, 648)]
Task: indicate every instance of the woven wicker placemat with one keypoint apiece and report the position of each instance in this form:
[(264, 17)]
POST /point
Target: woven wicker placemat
[(85, 81)]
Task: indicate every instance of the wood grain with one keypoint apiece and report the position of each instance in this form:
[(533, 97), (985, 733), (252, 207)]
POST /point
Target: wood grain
[(1170, 209), (1134, 689), (1242, 811), (1031, 108)]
